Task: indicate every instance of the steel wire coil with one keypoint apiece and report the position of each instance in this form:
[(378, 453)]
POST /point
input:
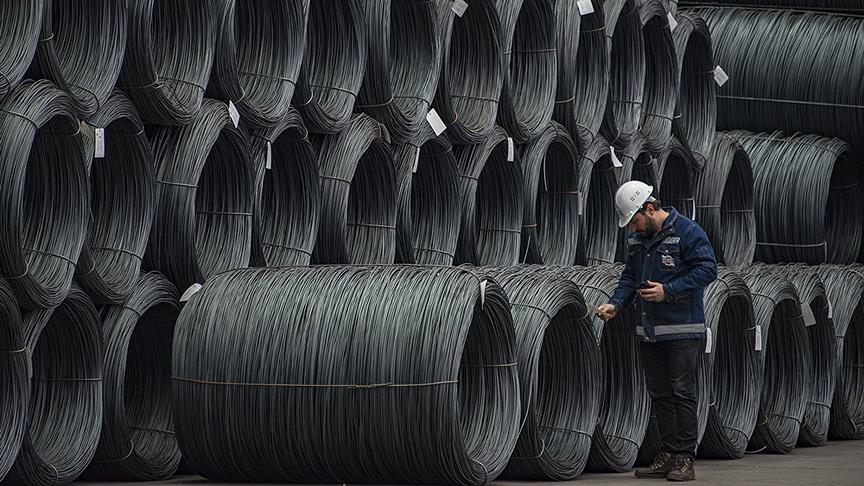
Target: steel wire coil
[(627, 72), (828, 215), (258, 55), (472, 70), (287, 194), (46, 193), (358, 195), (637, 164), (550, 229), (13, 379), (205, 185), (724, 202), (357, 383), (137, 440), (122, 204), (785, 360), (427, 228), (598, 218), (662, 75), (402, 66), (845, 290), (64, 413), (493, 202), (170, 49), (19, 36), (583, 71), (834, 6), (675, 178), (80, 49), (333, 65)]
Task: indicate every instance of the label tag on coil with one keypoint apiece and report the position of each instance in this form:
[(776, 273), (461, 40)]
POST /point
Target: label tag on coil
[(269, 164), (482, 293), (672, 22), (707, 340), (585, 7), (436, 122), (579, 204), (807, 313), (720, 76), (511, 150), (234, 114), (459, 7), (99, 135), (416, 161), (192, 290), (615, 161), (830, 310), (694, 210), (758, 346)]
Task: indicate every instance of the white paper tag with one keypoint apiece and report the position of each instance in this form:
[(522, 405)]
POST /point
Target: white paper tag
[(435, 121), (615, 161), (416, 161), (579, 203), (269, 164), (830, 310), (192, 290), (720, 76), (482, 292), (100, 143), (233, 113), (459, 7), (807, 312), (694, 210), (708, 340), (672, 22), (585, 7), (511, 150), (758, 337)]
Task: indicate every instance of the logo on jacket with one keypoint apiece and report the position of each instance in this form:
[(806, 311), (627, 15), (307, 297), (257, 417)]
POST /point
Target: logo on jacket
[(667, 260)]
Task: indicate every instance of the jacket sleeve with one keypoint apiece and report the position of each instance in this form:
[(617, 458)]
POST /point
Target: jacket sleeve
[(698, 256), (626, 290)]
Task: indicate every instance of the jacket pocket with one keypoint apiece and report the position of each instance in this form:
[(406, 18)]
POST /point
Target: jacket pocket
[(669, 258)]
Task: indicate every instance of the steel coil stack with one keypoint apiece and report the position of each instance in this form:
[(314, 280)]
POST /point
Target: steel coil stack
[(14, 365), (371, 396), (287, 194), (627, 72), (637, 163), (845, 6), (598, 219), (661, 75), (19, 36), (675, 178)]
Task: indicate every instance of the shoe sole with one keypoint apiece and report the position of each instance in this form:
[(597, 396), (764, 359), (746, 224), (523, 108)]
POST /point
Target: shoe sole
[(650, 475), (680, 480)]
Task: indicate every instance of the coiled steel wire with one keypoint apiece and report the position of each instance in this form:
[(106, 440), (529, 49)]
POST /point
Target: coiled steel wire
[(472, 69), (19, 36), (838, 6), (205, 185), (492, 202), (258, 56), (358, 195), (14, 360), (427, 227), (675, 178), (402, 66), (46, 195), (823, 221), (333, 65), (550, 229), (64, 414), (598, 218), (122, 203), (583, 70), (137, 439), (377, 374), (637, 164), (627, 71), (662, 75), (170, 48), (845, 290), (724, 202), (287, 194), (80, 49)]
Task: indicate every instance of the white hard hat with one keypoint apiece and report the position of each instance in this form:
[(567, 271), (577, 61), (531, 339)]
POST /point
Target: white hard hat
[(630, 198)]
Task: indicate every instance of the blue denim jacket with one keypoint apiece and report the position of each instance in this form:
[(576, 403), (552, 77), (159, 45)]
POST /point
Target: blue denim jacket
[(681, 258)]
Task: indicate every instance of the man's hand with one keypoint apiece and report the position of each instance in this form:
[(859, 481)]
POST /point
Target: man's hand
[(606, 311), (653, 293)]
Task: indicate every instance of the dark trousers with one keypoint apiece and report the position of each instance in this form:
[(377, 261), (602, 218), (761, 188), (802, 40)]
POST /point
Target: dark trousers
[(670, 371)]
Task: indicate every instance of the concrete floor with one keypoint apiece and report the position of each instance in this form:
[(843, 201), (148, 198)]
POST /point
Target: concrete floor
[(836, 464)]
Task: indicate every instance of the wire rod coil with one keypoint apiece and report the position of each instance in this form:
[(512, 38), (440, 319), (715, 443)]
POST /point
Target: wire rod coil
[(258, 56), (64, 413), (598, 220), (333, 65), (122, 205), (724, 202), (137, 441), (46, 193), (637, 164), (423, 383), (492, 202), (205, 185), (14, 361), (358, 195), (287, 194), (170, 49), (627, 72), (18, 40), (550, 229), (427, 228), (833, 6), (662, 75), (675, 178), (824, 176)]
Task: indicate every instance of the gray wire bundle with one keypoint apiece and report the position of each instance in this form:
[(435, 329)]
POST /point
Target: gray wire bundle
[(550, 229), (382, 374), (170, 48), (333, 65), (492, 202), (287, 194), (838, 6), (46, 196), (583, 70), (402, 66), (122, 204), (472, 70), (258, 56), (823, 221), (137, 440), (14, 381), (724, 202), (19, 35), (427, 227), (358, 195), (675, 178), (662, 75), (205, 185), (81, 49), (598, 218), (637, 164), (64, 413), (627, 71)]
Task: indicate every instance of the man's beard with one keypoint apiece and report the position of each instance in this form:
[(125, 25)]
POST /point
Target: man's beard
[(650, 228)]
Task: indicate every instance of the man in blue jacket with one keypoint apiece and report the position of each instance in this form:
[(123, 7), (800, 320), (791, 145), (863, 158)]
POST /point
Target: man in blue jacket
[(669, 263)]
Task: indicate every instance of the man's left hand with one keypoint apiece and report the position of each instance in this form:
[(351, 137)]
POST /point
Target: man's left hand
[(654, 292)]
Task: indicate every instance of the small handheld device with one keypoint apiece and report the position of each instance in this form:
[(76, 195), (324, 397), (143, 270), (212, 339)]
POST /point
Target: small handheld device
[(643, 285)]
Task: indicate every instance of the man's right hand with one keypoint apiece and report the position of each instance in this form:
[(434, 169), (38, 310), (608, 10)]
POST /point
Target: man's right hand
[(606, 311)]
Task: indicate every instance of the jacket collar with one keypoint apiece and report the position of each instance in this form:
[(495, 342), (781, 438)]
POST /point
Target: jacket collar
[(667, 226)]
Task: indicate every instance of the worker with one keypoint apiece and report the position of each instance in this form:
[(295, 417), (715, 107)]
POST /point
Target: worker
[(669, 263)]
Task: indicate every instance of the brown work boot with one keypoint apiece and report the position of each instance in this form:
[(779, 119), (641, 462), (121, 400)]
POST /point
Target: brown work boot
[(683, 470), (663, 463)]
